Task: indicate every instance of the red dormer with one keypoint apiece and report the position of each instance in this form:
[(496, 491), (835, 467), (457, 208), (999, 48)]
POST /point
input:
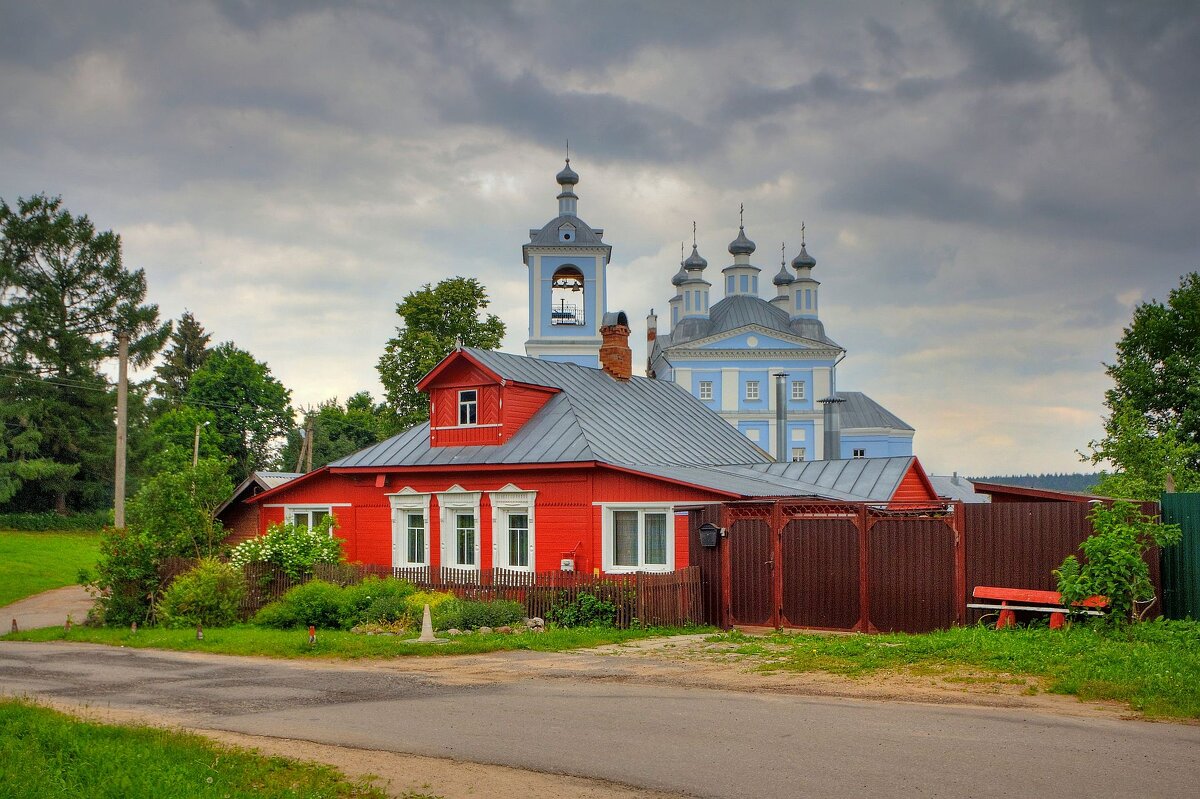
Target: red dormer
[(470, 405)]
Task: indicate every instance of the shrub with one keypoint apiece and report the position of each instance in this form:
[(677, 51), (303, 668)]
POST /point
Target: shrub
[(358, 599), (442, 605), (585, 610), (126, 576), (210, 594), (293, 548), (466, 614), (57, 522), (1115, 564), (387, 610), (316, 602)]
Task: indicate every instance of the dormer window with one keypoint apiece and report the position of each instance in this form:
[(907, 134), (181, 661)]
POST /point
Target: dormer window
[(566, 233), (468, 407)]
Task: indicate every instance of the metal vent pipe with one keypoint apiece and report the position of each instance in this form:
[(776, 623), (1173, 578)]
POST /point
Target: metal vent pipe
[(781, 417)]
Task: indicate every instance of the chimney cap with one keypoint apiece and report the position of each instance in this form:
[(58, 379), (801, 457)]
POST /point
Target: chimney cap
[(617, 318)]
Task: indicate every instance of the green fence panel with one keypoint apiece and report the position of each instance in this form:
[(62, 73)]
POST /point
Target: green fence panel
[(1181, 563)]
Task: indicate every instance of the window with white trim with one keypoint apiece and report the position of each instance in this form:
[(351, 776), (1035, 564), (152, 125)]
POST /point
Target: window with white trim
[(513, 528), (307, 517), (751, 389), (460, 527), (797, 390), (639, 539), (410, 528), (468, 407), (798, 454), (706, 390), (860, 453)]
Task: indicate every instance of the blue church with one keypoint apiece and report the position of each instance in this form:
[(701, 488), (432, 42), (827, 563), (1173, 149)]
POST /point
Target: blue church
[(766, 366)]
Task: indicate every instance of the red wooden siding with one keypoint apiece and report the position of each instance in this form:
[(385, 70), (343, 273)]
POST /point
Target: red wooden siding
[(568, 517), (519, 404), (240, 521), (914, 486), (443, 429)]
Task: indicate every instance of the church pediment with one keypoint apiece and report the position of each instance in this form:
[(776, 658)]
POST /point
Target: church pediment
[(758, 337)]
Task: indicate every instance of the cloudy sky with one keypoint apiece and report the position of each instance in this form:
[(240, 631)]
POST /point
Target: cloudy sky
[(989, 189)]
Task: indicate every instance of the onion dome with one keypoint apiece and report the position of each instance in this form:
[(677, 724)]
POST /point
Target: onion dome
[(568, 176), (695, 260), (803, 260), (680, 277), (741, 245), (784, 277)]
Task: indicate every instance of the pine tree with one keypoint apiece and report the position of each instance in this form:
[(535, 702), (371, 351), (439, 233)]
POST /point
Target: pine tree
[(64, 293), (187, 352)]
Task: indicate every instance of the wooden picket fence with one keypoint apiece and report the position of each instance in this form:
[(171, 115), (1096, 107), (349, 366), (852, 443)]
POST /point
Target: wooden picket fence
[(661, 600)]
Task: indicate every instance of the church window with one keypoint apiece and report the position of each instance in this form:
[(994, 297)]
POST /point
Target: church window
[(468, 407), (706, 390), (798, 454), (567, 297), (751, 389), (860, 453), (566, 233), (797, 390), (729, 285), (745, 284), (808, 299), (687, 300)]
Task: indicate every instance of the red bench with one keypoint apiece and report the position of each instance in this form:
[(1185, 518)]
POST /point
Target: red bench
[(1014, 599)]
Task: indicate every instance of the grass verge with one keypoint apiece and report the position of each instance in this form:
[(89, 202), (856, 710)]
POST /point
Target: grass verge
[(34, 562), (45, 754), (248, 640), (1153, 666)]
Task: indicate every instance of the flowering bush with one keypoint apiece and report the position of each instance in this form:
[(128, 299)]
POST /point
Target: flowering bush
[(293, 548)]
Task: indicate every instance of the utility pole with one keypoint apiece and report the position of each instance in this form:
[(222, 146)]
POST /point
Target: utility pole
[(122, 419), (308, 445), (196, 446)]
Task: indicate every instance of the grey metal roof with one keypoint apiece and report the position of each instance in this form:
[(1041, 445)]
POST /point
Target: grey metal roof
[(783, 277), (803, 259), (956, 487), (861, 479), (860, 410), (272, 479), (595, 417), (695, 260), (585, 235), (568, 176), (743, 310), (741, 245)]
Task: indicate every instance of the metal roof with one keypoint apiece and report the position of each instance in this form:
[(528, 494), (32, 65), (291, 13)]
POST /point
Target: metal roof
[(862, 411), (595, 417), (272, 479), (744, 310), (956, 487), (585, 235), (860, 479)]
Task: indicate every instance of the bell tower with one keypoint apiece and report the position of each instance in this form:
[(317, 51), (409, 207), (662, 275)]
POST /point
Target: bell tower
[(567, 261)]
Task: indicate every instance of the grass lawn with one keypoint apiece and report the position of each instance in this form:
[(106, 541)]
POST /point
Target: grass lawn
[(248, 640), (1153, 666), (34, 562), (45, 754)]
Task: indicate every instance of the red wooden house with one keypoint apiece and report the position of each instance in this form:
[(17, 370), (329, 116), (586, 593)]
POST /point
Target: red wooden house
[(527, 464)]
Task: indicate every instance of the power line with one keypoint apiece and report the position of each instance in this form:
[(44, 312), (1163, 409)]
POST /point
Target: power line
[(75, 384)]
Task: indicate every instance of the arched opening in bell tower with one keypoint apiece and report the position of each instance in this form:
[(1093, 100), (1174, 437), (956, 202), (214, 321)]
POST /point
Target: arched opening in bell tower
[(567, 295)]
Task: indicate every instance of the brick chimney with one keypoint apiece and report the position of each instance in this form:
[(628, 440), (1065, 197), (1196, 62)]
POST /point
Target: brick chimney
[(615, 356)]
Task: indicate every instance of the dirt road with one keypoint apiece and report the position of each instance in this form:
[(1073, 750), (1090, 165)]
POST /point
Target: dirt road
[(620, 721)]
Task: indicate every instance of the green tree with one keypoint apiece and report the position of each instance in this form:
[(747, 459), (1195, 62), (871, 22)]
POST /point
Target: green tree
[(169, 441), (187, 352), (337, 431), (252, 409), (1153, 423), (64, 292), (435, 317)]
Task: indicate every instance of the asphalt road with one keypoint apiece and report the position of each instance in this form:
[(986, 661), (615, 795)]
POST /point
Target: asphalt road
[(696, 741)]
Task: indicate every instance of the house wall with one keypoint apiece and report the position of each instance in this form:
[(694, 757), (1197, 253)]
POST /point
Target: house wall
[(240, 521), (568, 509)]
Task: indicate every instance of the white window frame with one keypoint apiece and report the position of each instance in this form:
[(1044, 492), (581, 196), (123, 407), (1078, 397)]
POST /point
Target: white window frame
[(798, 393), (858, 453), (505, 502), (405, 502), (607, 530), (451, 502), (705, 390), (753, 391), (290, 511), (464, 404), (802, 452)]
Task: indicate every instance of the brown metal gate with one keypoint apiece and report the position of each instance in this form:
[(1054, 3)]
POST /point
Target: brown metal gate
[(842, 566)]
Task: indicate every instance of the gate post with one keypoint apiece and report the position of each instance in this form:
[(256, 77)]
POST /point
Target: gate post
[(777, 564), (725, 614), (864, 570), (958, 525)]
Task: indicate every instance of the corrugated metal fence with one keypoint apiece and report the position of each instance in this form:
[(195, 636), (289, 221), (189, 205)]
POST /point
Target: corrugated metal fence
[(666, 600), (1181, 563), (851, 566)]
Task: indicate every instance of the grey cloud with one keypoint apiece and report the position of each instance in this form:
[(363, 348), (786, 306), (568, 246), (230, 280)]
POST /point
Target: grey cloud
[(999, 51)]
